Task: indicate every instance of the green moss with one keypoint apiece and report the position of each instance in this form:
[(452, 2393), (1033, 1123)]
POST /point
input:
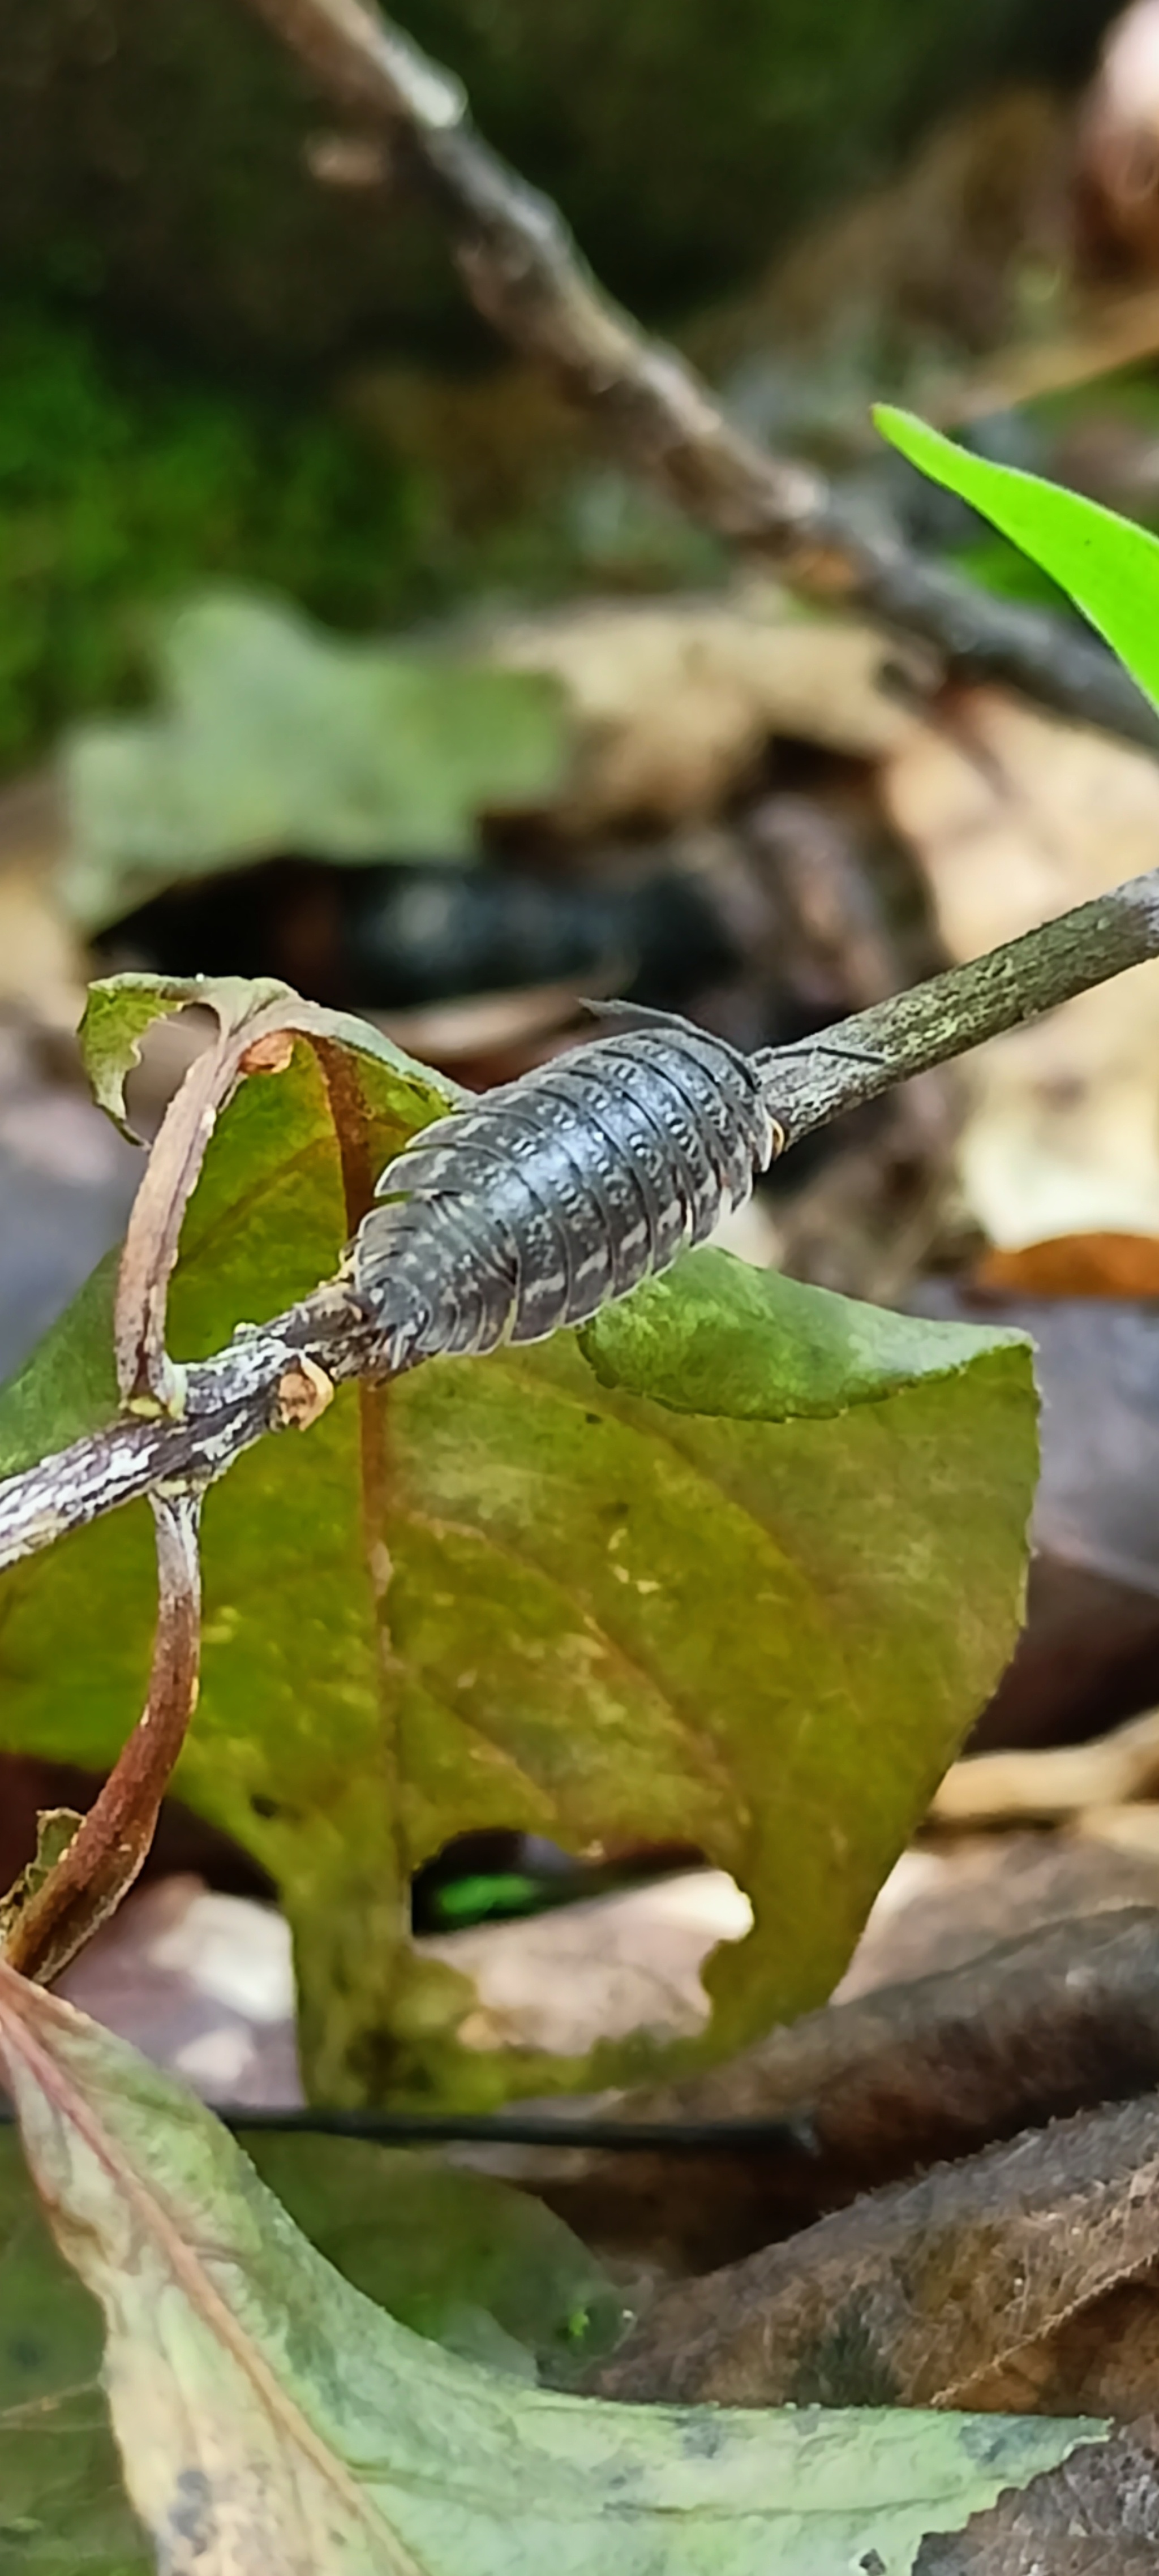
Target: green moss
[(122, 483), (126, 482)]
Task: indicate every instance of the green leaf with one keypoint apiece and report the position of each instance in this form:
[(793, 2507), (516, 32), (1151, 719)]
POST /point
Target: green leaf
[(120, 1011), (637, 1596), (471, 2263), (274, 736), (748, 1345), (465, 2261), (270, 2417), (62, 2501), (1109, 567), (55, 1830)]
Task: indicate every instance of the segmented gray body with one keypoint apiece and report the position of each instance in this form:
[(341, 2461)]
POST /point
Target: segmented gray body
[(560, 1191)]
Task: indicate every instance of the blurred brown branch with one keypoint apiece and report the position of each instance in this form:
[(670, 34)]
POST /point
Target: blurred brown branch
[(525, 275)]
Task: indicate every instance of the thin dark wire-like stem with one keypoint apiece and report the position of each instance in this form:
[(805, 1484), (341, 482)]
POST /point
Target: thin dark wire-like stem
[(524, 273), (255, 1384)]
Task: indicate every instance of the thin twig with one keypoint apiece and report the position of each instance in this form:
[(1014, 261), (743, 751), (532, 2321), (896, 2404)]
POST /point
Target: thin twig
[(819, 1078), (523, 272), (107, 1851), (256, 1384)]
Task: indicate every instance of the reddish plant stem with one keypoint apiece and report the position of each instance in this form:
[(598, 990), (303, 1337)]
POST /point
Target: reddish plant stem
[(107, 1851)]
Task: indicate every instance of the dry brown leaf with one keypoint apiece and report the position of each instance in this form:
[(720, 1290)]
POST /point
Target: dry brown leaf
[(1013, 816), (674, 703), (1120, 133), (1128, 1829), (948, 1902), (565, 1980), (1104, 2361), (42, 972), (1059, 1782), (881, 2088), (508, 1028), (1097, 2515), (203, 1984), (1073, 1265), (931, 2293), (1089, 1653)]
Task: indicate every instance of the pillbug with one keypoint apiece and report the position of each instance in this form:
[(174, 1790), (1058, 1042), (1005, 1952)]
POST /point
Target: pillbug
[(561, 1191)]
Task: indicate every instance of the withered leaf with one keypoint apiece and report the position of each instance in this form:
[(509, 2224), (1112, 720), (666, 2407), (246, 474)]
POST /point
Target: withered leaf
[(883, 2085), (935, 2292)]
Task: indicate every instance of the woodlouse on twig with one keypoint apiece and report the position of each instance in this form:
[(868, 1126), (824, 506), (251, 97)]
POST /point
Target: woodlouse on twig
[(561, 1191)]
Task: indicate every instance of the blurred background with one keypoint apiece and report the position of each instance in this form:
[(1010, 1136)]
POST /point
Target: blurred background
[(333, 647)]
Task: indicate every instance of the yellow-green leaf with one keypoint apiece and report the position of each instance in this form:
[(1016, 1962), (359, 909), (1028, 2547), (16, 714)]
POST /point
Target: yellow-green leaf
[(742, 1576)]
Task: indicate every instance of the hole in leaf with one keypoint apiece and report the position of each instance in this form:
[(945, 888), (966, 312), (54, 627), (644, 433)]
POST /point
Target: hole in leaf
[(565, 1951)]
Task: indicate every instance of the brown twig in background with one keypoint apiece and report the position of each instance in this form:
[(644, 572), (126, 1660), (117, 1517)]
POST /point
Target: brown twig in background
[(1051, 1784), (111, 1843), (523, 272), (278, 1373)]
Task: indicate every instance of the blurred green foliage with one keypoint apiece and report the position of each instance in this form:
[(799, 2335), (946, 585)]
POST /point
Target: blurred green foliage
[(123, 482), (127, 482)]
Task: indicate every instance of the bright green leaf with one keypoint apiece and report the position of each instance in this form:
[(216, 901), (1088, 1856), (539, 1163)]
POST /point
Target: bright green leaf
[(1109, 567), (275, 736), (717, 1338), (270, 2417), (607, 1617)]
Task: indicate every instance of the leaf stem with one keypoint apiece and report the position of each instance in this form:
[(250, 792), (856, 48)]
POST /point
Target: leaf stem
[(110, 1844)]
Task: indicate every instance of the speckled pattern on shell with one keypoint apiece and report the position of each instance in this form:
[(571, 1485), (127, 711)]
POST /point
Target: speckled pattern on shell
[(561, 1191)]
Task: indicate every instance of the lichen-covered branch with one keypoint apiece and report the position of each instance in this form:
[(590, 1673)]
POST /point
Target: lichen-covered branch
[(860, 1058), (280, 1374), (525, 275)]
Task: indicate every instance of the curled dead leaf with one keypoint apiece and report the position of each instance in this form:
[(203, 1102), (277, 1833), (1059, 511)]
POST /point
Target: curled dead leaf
[(1055, 1783), (673, 704), (881, 2087)]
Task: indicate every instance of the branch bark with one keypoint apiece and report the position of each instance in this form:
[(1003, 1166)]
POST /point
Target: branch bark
[(524, 274), (278, 1374)]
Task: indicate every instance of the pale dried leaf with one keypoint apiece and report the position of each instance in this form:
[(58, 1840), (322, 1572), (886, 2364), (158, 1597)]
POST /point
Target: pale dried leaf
[(1046, 1785), (674, 703), (1013, 817)]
